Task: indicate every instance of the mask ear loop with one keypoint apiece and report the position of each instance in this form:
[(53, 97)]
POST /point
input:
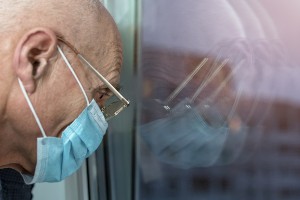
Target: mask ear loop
[(74, 74), (32, 109)]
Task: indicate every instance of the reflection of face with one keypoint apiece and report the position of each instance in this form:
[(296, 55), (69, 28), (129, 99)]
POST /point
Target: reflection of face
[(164, 71)]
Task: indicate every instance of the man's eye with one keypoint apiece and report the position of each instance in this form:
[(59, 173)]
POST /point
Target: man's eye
[(104, 93), (101, 96)]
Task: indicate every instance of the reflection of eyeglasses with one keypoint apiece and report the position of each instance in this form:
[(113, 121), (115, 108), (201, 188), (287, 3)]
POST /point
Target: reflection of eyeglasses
[(113, 108)]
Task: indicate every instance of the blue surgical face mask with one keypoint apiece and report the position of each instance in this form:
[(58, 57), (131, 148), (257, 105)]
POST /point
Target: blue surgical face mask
[(58, 158), (185, 138)]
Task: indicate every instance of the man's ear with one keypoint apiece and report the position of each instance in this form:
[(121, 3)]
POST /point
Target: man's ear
[(32, 55)]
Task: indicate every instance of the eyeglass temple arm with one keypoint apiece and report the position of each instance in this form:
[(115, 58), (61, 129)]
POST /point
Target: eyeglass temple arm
[(125, 101)]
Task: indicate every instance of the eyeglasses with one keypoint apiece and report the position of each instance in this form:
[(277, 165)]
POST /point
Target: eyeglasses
[(114, 107)]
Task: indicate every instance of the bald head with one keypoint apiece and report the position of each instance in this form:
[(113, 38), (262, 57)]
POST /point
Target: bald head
[(23, 14), (84, 23), (72, 18), (29, 53)]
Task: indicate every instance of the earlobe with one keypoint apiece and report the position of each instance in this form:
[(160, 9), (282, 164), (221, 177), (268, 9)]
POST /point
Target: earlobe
[(32, 55)]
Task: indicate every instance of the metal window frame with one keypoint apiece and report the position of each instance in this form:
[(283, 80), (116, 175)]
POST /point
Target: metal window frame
[(114, 163)]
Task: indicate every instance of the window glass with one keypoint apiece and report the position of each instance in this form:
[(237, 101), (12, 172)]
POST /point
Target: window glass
[(219, 100)]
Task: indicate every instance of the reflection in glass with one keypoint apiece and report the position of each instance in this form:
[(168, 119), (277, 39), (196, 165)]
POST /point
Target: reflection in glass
[(219, 104)]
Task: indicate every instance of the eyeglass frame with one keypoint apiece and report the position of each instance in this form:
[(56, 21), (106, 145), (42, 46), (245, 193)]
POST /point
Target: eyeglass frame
[(110, 86)]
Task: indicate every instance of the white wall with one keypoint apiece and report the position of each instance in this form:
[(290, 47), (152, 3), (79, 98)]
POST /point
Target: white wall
[(72, 188), (49, 191)]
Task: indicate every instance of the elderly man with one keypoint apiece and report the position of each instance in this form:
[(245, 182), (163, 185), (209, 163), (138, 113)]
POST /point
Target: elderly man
[(50, 93)]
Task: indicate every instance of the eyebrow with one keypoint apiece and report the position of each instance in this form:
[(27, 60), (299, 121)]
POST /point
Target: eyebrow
[(63, 40)]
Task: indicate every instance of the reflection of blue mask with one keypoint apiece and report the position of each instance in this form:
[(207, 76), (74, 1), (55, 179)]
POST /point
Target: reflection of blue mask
[(58, 158), (185, 139), (233, 146)]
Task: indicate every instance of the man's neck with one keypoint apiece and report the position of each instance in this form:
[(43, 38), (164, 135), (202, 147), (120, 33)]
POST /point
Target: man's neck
[(11, 157), (6, 152)]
